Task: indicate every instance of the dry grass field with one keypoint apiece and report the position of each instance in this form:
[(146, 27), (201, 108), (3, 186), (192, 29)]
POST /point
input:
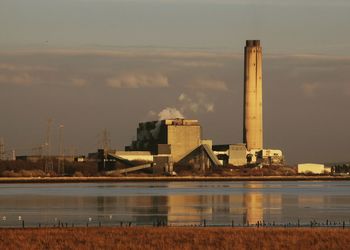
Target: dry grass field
[(174, 238)]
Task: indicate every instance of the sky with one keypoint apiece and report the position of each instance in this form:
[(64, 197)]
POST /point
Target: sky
[(96, 64)]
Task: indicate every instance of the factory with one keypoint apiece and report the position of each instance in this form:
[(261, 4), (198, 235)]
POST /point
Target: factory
[(167, 145), (163, 144)]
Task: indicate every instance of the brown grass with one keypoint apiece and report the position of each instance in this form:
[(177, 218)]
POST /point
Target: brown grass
[(174, 238)]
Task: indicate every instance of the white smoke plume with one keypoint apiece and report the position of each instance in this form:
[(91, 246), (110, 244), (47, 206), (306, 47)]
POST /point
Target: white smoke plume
[(170, 113), (199, 103)]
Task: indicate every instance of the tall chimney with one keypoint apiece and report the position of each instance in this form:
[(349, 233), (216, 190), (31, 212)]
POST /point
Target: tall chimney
[(252, 114)]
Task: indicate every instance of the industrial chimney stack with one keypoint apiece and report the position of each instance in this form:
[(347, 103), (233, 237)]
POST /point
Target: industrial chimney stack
[(252, 115)]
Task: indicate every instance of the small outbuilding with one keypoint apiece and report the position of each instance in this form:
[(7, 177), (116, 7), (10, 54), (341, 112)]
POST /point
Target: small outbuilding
[(312, 168)]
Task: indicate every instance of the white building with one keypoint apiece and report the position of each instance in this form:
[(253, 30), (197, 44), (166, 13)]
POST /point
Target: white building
[(313, 168)]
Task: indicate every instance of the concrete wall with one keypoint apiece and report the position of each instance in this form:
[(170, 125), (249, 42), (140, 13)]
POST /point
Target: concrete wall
[(234, 154), (183, 140), (237, 155)]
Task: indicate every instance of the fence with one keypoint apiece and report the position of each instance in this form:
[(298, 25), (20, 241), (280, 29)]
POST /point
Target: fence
[(164, 223)]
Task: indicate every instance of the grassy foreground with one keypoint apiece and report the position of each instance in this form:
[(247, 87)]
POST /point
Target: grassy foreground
[(174, 238)]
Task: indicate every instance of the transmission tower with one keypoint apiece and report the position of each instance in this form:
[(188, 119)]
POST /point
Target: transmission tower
[(105, 145), (105, 140), (2, 149), (13, 157), (48, 158), (39, 151), (60, 166)]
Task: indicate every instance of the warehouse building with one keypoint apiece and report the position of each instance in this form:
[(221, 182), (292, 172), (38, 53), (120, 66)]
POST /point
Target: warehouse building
[(313, 168)]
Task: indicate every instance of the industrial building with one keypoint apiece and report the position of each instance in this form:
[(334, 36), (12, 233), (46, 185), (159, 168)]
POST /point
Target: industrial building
[(313, 168), (165, 145), (253, 111), (161, 144), (252, 150), (178, 136), (234, 154)]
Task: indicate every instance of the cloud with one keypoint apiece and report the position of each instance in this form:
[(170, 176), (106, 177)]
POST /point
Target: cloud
[(19, 67), (198, 64), (79, 82), (346, 89), (170, 113), (18, 79), (195, 104), (138, 80), (132, 52), (152, 113), (209, 84), (310, 89)]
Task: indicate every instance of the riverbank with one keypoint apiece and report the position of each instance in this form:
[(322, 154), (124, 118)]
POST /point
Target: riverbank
[(174, 238), (5, 180)]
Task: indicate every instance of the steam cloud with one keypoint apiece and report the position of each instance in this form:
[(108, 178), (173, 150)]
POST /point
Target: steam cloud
[(170, 113), (199, 103)]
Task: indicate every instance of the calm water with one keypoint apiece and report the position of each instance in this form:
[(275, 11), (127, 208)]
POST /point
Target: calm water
[(176, 202)]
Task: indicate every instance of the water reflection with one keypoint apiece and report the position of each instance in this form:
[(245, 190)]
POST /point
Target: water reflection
[(219, 203)]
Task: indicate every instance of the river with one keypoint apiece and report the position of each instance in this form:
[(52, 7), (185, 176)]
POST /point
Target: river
[(177, 203)]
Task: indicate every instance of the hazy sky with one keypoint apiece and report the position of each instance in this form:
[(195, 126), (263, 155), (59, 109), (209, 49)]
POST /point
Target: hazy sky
[(94, 64)]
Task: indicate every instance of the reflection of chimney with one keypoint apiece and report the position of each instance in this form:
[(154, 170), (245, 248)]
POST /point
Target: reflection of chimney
[(252, 115), (253, 203)]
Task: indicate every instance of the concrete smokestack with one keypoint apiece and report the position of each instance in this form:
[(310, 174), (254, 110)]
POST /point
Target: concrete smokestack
[(253, 124)]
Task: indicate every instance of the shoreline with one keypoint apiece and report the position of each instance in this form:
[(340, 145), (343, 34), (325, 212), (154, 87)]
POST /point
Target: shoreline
[(9, 180)]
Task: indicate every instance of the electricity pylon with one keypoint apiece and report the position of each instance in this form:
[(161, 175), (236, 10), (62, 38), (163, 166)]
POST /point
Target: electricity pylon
[(48, 159)]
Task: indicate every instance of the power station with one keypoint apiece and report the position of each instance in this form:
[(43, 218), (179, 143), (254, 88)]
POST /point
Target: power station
[(170, 145), (167, 145)]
